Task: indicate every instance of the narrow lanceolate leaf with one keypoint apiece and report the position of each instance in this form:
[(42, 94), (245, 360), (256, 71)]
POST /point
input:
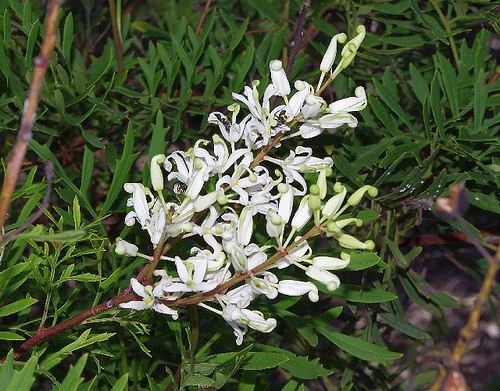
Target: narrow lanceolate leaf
[(66, 236), (303, 368), (122, 171), (401, 324), (360, 348), (358, 294), (263, 360), (362, 260), (73, 379), (17, 306)]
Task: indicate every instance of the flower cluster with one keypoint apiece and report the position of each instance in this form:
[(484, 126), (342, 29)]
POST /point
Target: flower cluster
[(227, 185)]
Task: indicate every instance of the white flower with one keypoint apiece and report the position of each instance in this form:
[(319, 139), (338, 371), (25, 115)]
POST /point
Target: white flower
[(279, 79), (241, 296), (348, 241), (331, 281), (140, 204), (297, 254), (331, 263), (192, 273), (287, 195), (346, 105), (298, 288), (240, 319), (265, 284), (296, 102), (150, 298), (231, 131), (314, 127), (261, 124), (300, 161), (312, 107), (331, 53), (125, 248)]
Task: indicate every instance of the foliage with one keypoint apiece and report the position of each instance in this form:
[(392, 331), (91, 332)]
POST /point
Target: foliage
[(432, 120)]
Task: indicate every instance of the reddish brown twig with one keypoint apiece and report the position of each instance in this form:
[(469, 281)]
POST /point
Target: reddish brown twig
[(298, 34), (30, 108), (204, 14)]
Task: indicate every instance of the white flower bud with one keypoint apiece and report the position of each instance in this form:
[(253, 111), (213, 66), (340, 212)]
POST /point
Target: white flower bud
[(274, 224), (348, 241), (196, 185), (333, 205), (286, 202), (331, 281), (125, 248), (298, 288), (331, 52), (321, 183), (279, 79), (156, 173), (245, 225), (302, 215), (356, 103), (205, 202), (330, 263)]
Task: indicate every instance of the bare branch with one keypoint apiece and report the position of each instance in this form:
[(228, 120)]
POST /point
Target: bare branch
[(298, 34)]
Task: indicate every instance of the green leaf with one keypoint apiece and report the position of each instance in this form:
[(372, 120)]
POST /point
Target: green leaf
[(301, 368), (360, 348), (9, 336), (418, 84), (121, 383), (123, 167), (6, 370), (84, 340), (359, 294), (362, 260), (92, 139), (24, 379), (485, 201), (87, 169), (435, 104), (17, 306), (66, 236), (67, 37), (73, 380), (256, 361), (403, 325)]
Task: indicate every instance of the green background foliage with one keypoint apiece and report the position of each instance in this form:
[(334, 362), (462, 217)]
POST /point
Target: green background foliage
[(433, 119)]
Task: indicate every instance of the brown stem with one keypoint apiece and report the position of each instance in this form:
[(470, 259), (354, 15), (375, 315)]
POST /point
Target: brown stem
[(204, 14), (298, 34), (239, 277), (44, 334), (468, 331), (116, 37), (25, 134)]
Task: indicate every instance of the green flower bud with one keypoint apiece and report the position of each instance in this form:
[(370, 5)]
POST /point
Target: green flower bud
[(314, 202), (358, 195), (314, 189)]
